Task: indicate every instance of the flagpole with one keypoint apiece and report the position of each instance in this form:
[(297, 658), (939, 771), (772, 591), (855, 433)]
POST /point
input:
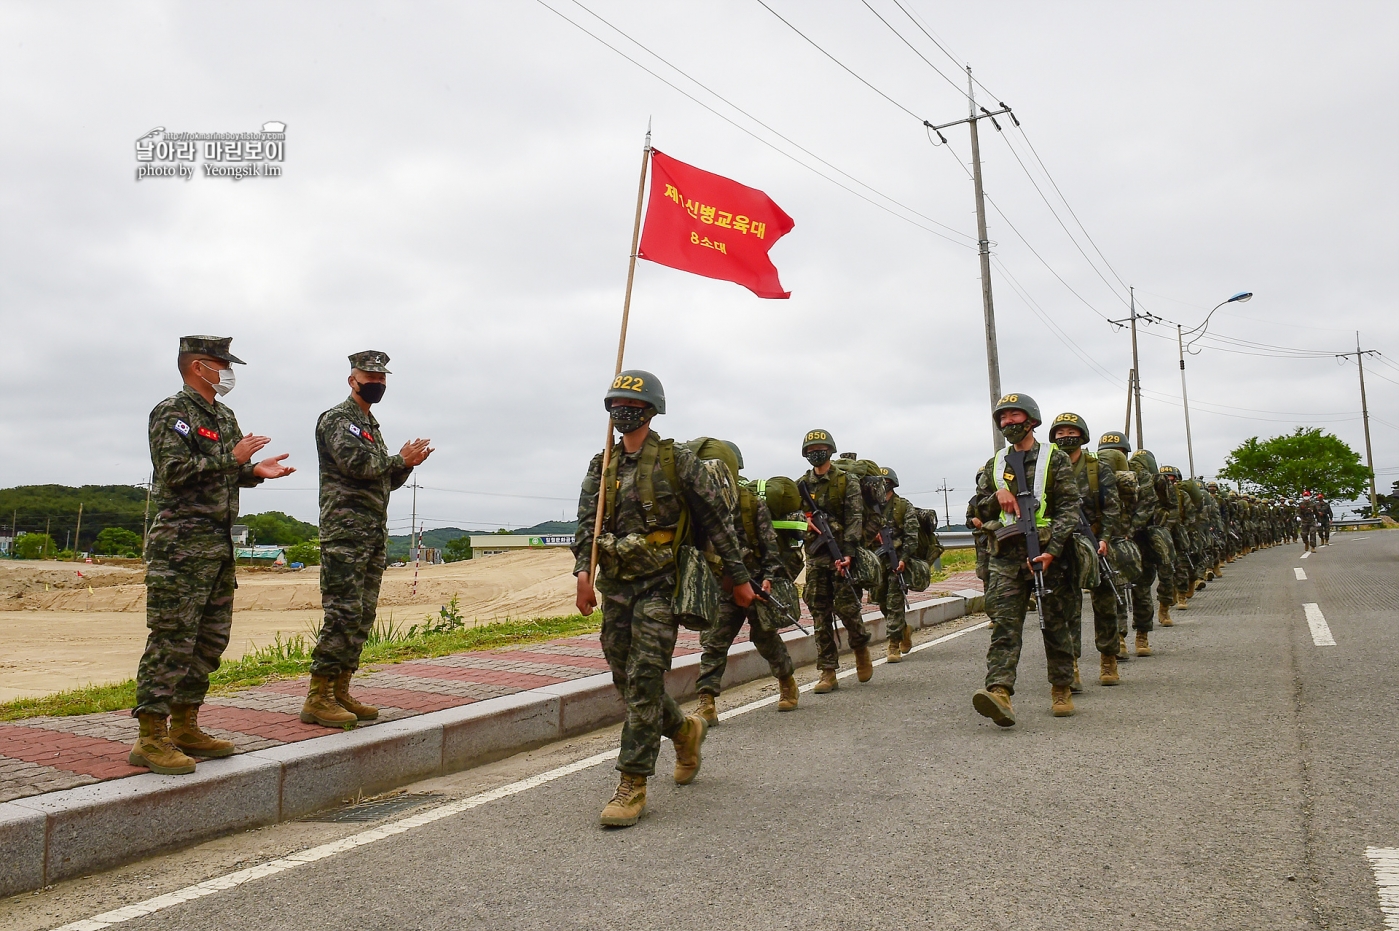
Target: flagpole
[(621, 350)]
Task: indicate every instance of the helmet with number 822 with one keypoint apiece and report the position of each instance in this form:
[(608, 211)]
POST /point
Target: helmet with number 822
[(635, 384)]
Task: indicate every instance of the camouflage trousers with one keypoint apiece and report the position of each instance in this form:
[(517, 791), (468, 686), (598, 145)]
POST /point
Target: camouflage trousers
[(717, 640), (351, 572), (1152, 566), (638, 639), (1009, 591), (892, 602), (189, 610), (1105, 621), (828, 596)]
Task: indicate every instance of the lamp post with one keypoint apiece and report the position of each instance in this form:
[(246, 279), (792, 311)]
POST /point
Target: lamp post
[(1199, 331)]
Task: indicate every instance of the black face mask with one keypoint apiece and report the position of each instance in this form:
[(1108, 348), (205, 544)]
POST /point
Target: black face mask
[(1068, 442), (1015, 432), (818, 457), (626, 418), (371, 391)]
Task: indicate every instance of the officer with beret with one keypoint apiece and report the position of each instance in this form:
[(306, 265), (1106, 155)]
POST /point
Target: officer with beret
[(200, 458), (357, 475)]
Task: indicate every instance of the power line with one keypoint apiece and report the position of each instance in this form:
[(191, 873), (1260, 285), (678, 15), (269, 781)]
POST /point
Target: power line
[(935, 68)]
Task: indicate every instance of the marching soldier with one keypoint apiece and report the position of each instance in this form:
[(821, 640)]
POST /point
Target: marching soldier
[(357, 475), (898, 515), (1011, 585), (201, 458), (656, 498), (1306, 510), (1324, 516)]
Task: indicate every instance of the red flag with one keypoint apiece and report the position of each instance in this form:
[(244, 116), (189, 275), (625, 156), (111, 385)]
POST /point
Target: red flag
[(708, 225)]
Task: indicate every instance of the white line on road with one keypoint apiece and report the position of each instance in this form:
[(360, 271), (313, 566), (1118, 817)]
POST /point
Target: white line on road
[(394, 828), (1321, 632), (1301, 576), (1385, 862), (1305, 555)]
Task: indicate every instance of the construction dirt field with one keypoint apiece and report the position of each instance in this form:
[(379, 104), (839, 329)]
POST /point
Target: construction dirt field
[(62, 630)]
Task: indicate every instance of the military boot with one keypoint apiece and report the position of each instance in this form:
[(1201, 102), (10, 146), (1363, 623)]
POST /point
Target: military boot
[(906, 641), (1143, 648), (345, 700), (894, 656), (322, 708), (1180, 605), (687, 749), (1199, 586), (627, 803), (1209, 574), (864, 669), (1230, 559), (788, 693), (1163, 615), (827, 682), (1122, 654), (1061, 701), (1219, 570), (1077, 685), (707, 710), (154, 750), (994, 703), (186, 735), (1107, 670)]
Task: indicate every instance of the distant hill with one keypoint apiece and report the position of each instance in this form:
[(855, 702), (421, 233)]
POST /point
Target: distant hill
[(440, 536), (549, 527), (34, 506)]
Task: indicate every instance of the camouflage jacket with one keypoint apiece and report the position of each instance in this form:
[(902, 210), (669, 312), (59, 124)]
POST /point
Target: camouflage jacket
[(1061, 490), (196, 477), (902, 518), (357, 474), (625, 551), (1307, 512), (846, 516), (1104, 511)]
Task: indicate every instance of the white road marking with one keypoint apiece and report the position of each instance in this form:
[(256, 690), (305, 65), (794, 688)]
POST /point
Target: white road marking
[(1301, 576), (1306, 554), (1385, 862), (394, 828), (1321, 633)]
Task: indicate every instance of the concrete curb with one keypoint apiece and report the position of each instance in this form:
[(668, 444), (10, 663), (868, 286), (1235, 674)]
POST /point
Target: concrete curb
[(62, 835)]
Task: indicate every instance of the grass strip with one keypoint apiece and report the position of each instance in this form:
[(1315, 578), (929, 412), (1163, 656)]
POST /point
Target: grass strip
[(290, 658)]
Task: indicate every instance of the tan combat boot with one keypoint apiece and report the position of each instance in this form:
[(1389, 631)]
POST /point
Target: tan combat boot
[(322, 708), (1061, 701), (894, 656), (864, 669), (345, 700), (1122, 654), (1107, 670), (186, 734), (1143, 648), (1219, 570), (627, 803), (906, 641), (687, 749), (1077, 685), (788, 693), (707, 710), (994, 703), (154, 750), (1163, 615), (1180, 605), (827, 682)]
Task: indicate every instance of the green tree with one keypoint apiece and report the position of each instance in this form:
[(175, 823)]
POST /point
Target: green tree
[(116, 541), (274, 527), (457, 550), (308, 553), (1389, 504), (34, 546), (1305, 459)]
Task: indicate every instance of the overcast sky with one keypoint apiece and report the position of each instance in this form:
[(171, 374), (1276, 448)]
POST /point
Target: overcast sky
[(459, 186)]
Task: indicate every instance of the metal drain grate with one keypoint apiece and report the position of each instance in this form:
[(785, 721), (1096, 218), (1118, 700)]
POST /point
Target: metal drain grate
[(374, 810)]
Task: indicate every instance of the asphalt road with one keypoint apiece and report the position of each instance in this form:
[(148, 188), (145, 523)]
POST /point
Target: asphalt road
[(1234, 780)]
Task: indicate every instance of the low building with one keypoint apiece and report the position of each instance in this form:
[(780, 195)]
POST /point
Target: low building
[(269, 555), (493, 544)]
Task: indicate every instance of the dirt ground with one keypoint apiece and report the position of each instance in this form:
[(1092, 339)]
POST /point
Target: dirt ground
[(60, 630)]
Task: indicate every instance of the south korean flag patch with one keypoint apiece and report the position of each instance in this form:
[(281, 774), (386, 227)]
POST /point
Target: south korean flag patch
[(181, 428), (353, 429)]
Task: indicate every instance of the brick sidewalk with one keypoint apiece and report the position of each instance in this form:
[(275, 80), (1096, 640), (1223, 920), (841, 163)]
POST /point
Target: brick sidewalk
[(46, 754)]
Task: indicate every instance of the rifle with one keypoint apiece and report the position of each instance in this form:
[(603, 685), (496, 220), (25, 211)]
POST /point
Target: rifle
[(825, 540), (886, 549), (1025, 526), (1104, 566)]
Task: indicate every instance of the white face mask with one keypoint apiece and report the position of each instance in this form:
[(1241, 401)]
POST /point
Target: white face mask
[(225, 383)]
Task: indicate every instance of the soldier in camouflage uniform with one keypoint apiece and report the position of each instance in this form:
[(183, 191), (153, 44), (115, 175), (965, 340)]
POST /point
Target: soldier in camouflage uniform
[(1324, 516), (658, 498), (357, 474), (763, 555), (901, 518), (1306, 511), (1011, 587), (201, 458), (1126, 557), (1150, 531), (829, 592), (1102, 509)]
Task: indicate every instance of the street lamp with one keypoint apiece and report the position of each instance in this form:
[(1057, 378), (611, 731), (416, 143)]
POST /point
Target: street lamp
[(1242, 297)]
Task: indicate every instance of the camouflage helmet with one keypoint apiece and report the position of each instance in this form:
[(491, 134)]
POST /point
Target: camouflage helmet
[(1069, 419), (635, 384), (738, 455), (818, 438), (1114, 440), (891, 475), (1016, 402), (1171, 472), (1113, 458)]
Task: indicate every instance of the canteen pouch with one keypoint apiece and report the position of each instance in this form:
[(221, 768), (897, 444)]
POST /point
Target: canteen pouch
[(919, 574), (772, 618), (633, 557), (1126, 559), (1087, 557), (696, 604), (866, 570)]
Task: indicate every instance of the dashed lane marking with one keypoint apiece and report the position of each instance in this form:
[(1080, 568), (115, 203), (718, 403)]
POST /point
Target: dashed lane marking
[(1321, 632), (1301, 576), (1385, 862), (1305, 555), (394, 828)]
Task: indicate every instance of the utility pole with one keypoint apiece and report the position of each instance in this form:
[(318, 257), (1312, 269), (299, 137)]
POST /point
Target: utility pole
[(1136, 382), (413, 526), (1131, 382), (946, 508), (1185, 400), (1360, 355), (78, 531), (47, 522), (146, 524), (993, 358)]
